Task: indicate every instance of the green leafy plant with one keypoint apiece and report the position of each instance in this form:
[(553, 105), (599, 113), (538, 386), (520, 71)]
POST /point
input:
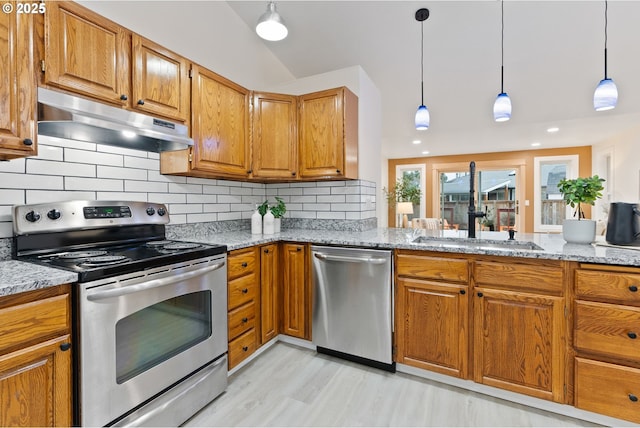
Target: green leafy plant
[(262, 208), (578, 191), (279, 209), (406, 189)]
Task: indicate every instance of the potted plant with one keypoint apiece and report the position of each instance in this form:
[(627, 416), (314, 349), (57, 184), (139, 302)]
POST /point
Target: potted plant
[(278, 211), (577, 192), (406, 189)]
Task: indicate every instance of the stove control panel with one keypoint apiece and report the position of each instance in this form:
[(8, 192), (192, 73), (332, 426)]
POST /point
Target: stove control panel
[(70, 215)]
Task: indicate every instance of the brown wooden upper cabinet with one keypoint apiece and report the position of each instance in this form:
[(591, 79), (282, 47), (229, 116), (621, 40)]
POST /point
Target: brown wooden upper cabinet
[(328, 134), (90, 55), (274, 136), (17, 86)]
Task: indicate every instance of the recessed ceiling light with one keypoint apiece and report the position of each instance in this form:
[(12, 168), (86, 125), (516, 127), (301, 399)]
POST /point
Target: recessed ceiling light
[(417, 141), (426, 152), (536, 144), (553, 129)]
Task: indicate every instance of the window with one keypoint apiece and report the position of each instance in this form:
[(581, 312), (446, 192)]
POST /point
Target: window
[(549, 206)]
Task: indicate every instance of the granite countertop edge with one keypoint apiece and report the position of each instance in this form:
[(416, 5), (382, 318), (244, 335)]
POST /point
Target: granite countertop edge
[(16, 277)]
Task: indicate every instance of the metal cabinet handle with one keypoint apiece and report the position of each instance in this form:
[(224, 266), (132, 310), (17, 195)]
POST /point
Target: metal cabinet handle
[(245, 319), (244, 264), (338, 171), (141, 102), (633, 288), (293, 173), (123, 97), (463, 292), (155, 283), (632, 335), (65, 346), (245, 290), (480, 294), (245, 348), (266, 251), (369, 260), (27, 142), (633, 398), (249, 171), (298, 249)]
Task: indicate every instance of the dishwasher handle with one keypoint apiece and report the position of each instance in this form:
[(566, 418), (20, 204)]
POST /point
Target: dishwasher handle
[(350, 259)]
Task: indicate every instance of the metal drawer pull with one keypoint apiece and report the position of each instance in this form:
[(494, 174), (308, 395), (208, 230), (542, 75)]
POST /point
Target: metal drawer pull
[(632, 335), (633, 398), (244, 264), (156, 283), (246, 348), (245, 319), (633, 288), (245, 290), (370, 260), (65, 346)]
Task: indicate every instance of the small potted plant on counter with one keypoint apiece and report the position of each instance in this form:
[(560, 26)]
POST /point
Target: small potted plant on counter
[(577, 192), (278, 211)]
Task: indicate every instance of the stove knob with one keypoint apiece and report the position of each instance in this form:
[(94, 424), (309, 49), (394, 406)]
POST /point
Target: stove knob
[(53, 214), (32, 216), (161, 212), (151, 211)]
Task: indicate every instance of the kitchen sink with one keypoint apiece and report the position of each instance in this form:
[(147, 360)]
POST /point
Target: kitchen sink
[(477, 244)]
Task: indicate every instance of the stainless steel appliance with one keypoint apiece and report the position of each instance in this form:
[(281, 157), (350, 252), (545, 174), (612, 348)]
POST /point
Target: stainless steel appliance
[(353, 304), (623, 225), (150, 314)]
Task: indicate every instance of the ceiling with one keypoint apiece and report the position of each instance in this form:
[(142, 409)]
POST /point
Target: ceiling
[(553, 60)]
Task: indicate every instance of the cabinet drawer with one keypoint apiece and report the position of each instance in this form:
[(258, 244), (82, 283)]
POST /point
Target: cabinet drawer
[(609, 389), (516, 276), (242, 347), (34, 321), (608, 329), (242, 262), (242, 319), (615, 287), (429, 267), (242, 290)]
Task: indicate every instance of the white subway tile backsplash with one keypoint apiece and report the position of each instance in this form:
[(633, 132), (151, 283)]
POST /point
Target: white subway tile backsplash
[(317, 191), (230, 199), (153, 155), (201, 218), (168, 198), (14, 165), (145, 186), (290, 191), (42, 196), (330, 183), (121, 196), (335, 215), (230, 216), (331, 198), (150, 164), (184, 208), (352, 215), (345, 207), (316, 207), (185, 188), (198, 180), (177, 219), (97, 184), (6, 229), (122, 151), (201, 199), (251, 184), (154, 175), (124, 173), (37, 166), (50, 153), (26, 181), (61, 142), (89, 157), (302, 199), (217, 208), (302, 214), (12, 196), (216, 190)]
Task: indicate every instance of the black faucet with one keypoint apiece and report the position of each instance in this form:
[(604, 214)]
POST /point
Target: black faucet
[(473, 214)]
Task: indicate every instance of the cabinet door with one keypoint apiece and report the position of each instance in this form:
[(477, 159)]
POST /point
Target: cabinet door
[(269, 275), (35, 385), (328, 134), (17, 86), (274, 136), (160, 80), (86, 53), (433, 326), (296, 298), (518, 342), (219, 126)]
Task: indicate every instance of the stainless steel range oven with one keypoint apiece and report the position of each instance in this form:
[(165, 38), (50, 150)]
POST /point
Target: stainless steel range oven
[(150, 315)]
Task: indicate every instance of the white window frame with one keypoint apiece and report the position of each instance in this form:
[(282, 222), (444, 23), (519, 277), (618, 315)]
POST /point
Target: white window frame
[(423, 182), (572, 162)]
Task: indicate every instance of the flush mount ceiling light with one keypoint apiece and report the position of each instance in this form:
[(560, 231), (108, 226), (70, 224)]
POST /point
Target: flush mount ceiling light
[(271, 25), (422, 115), (502, 105), (606, 95)]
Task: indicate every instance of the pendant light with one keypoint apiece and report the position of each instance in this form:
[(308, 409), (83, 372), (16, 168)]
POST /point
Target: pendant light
[(271, 25), (606, 95), (502, 105), (422, 115)]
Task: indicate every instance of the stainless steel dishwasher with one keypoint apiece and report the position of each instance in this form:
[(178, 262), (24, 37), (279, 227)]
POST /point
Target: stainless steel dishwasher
[(353, 304)]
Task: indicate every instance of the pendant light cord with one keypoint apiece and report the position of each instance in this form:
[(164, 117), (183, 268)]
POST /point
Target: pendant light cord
[(502, 48), (606, 7), (422, 62)]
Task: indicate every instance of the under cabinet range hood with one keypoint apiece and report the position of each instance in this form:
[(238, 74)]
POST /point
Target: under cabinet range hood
[(67, 116)]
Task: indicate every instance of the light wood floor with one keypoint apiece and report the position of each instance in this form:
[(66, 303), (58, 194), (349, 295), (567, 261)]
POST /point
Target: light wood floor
[(290, 386)]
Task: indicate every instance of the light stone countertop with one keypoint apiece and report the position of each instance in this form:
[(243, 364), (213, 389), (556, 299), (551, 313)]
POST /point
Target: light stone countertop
[(17, 276)]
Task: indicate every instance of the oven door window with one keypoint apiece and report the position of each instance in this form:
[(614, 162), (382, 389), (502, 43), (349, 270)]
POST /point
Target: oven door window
[(156, 333)]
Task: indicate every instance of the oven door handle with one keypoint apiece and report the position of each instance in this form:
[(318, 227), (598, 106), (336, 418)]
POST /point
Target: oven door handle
[(111, 292)]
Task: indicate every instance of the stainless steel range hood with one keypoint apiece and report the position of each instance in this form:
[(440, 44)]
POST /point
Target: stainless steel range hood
[(66, 116)]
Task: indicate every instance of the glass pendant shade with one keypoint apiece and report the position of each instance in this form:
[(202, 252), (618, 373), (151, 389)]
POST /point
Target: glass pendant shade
[(271, 25), (502, 108), (606, 95), (422, 118)]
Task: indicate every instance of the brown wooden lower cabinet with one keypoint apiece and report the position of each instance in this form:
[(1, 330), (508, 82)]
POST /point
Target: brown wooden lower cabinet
[(35, 358), (269, 295), (296, 293)]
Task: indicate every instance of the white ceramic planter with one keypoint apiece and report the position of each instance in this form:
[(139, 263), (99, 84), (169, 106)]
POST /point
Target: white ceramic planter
[(579, 231)]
